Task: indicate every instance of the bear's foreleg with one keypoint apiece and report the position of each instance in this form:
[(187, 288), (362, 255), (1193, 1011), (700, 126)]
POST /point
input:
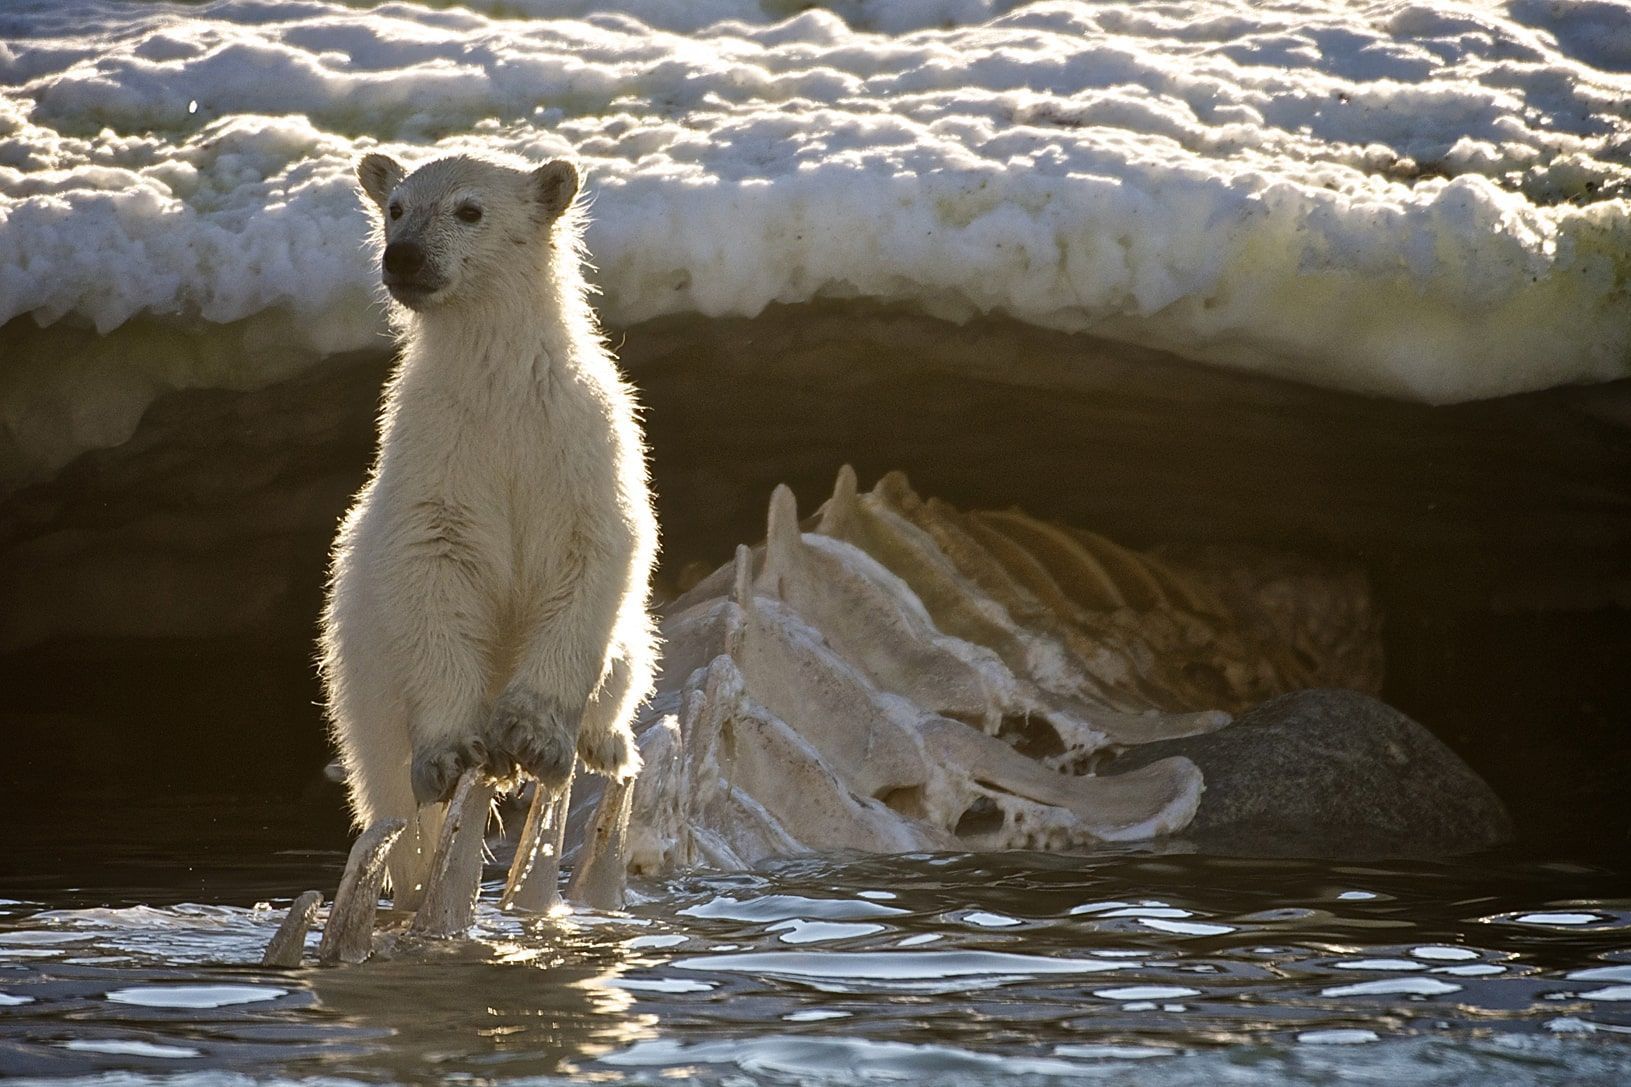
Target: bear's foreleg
[(606, 738), (563, 663), (437, 637)]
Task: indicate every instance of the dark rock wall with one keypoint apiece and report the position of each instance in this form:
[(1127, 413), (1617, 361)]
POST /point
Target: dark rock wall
[(158, 600)]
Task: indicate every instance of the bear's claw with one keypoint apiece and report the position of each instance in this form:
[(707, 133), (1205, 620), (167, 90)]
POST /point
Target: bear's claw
[(536, 734), (436, 770), (610, 752)]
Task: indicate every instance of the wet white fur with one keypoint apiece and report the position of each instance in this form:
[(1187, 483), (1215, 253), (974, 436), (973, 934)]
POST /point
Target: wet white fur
[(505, 539)]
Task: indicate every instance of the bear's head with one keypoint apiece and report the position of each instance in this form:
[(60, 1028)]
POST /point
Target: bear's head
[(463, 227)]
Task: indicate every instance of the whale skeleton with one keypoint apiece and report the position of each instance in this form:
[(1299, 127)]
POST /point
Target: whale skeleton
[(895, 675)]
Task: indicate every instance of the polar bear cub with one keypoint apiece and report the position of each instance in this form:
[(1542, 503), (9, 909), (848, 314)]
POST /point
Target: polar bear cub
[(488, 601)]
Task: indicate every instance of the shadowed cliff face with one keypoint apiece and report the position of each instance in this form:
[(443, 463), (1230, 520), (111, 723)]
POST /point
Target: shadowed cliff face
[(158, 600)]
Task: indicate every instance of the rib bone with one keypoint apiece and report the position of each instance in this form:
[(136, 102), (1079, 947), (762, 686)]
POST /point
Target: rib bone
[(455, 872), (288, 944), (349, 934), (535, 873)]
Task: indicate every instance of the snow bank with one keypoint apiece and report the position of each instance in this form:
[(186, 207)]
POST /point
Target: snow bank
[(1423, 200)]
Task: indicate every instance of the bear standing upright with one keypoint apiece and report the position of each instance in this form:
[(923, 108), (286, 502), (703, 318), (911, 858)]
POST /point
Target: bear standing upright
[(488, 604)]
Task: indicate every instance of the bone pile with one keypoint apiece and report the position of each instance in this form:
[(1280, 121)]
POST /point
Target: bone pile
[(896, 675)]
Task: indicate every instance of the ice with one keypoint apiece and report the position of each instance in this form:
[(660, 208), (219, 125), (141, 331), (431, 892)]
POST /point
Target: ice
[(886, 966), (130, 1048), (193, 996), (1426, 200), (1146, 992), (1408, 986), (1337, 1037)]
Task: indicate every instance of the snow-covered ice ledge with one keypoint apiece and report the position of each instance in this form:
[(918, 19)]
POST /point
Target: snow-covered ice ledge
[(1429, 201)]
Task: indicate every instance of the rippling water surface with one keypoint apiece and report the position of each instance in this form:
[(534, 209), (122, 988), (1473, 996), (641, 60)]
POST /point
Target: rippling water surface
[(1015, 968)]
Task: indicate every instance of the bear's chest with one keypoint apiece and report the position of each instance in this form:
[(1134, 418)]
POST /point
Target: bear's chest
[(505, 484), (486, 438)]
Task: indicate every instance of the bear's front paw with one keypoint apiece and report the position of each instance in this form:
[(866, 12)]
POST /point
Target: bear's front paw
[(610, 752), (436, 770), (537, 733)]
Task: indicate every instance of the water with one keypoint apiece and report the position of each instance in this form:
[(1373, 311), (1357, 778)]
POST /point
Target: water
[(1012, 968)]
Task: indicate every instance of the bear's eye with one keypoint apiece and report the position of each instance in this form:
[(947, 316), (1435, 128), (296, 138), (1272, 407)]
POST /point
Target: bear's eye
[(396, 210), (468, 213)]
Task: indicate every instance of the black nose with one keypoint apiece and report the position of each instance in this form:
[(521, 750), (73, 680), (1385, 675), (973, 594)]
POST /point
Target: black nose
[(403, 259)]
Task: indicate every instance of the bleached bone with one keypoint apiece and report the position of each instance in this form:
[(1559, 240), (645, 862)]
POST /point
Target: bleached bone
[(449, 900), (787, 746), (903, 675), (349, 934), (598, 879), (1152, 652), (773, 792), (1039, 649), (771, 789), (535, 872), (969, 592), (1144, 632), (288, 943), (869, 737), (885, 746), (693, 637), (1049, 810), (1218, 627), (658, 801), (872, 619), (912, 556)]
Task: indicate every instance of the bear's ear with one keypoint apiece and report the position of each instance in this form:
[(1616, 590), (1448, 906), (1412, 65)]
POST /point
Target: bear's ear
[(378, 175), (554, 184)]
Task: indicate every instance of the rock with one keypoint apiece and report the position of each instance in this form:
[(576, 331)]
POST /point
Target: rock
[(1332, 773), (212, 521)]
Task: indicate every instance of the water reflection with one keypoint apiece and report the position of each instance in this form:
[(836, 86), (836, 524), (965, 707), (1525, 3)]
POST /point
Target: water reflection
[(512, 1001), (955, 969), (491, 1009)]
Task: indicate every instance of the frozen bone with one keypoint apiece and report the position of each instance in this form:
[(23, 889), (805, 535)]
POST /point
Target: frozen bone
[(761, 788), (899, 675), (657, 801), (972, 593), (873, 619), (1136, 631)]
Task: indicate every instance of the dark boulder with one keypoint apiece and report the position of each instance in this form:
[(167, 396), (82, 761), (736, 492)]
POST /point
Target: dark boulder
[(1333, 773)]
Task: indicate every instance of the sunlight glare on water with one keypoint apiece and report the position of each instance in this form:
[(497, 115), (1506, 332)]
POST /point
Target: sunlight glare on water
[(1019, 968)]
